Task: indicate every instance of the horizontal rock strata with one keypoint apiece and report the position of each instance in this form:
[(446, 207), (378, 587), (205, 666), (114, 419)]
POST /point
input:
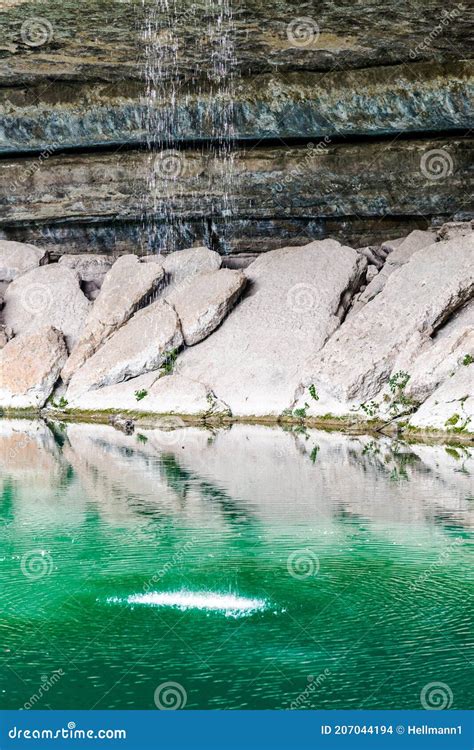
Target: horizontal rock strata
[(369, 102), (315, 187)]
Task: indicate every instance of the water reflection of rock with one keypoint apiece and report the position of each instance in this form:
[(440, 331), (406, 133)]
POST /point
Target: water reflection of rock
[(240, 475)]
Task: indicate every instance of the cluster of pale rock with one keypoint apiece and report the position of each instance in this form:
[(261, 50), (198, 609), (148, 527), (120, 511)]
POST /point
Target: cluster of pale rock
[(319, 331)]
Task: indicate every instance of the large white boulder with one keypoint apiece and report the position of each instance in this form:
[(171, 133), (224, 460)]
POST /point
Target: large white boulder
[(46, 296), (125, 288), (29, 367), (293, 304), (140, 346), (16, 258), (203, 304), (418, 297)]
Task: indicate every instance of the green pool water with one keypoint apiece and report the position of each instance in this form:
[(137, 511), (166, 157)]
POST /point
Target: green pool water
[(241, 568)]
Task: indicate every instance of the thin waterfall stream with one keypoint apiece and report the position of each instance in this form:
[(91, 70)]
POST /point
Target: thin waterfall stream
[(173, 91)]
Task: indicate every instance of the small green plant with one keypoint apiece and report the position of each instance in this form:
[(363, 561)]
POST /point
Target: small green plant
[(453, 453), (370, 408), (142, 438), (452, 421), (314, 454), (61, 404), (301, 413), (168, 365), (468, 360), (140, 395), (400, 401), (399, 381), (313, 393), (371, 447)]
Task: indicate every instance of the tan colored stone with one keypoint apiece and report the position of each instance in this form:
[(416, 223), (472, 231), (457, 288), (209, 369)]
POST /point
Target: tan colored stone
[(89, 266), (125, 288), (50, 296), (253, 361), (418, 297), (182, 265), (29, 367), (203, 304), (140, 346), (16, 258)]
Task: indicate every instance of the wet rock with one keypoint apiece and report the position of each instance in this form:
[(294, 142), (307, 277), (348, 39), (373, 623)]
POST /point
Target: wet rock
[(29, 367), (122, 423), (253, 361), (49, 296), (140, 346), (126, 287), (203, 304), (16, 258), (418, 298)]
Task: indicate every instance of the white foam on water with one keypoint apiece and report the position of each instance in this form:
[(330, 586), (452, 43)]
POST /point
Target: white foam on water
[(206, 601)]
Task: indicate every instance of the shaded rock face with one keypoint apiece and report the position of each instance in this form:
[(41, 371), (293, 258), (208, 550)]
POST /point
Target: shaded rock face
[(291, 70), (252, 362), (29, 367), (417, 299), (49, 295), (127, 286)]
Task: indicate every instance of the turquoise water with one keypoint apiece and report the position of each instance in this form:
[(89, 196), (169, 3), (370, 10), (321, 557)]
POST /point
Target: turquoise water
[(242, 568)]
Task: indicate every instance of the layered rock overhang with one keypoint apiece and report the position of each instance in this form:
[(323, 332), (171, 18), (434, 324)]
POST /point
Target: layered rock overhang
[(347, 120)]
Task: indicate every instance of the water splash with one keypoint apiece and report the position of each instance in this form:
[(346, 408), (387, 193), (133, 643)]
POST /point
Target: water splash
[(207, 601), (182, 101)]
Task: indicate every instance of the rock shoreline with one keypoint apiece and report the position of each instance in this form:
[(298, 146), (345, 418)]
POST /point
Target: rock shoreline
[(358, 339)]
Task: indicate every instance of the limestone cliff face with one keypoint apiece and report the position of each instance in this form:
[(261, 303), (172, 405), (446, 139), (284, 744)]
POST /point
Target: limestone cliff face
[(347, 119)]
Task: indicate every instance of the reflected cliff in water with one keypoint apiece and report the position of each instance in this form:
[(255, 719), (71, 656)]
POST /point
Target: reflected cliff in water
[(237, 562)]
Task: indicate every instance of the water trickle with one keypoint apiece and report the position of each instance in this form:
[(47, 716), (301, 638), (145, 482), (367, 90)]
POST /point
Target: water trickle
[(181, 99)]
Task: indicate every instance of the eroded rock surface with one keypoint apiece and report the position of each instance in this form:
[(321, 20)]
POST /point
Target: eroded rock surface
[(16, 258), (253, 361), (46, 296), (451, 406), (181, 266), (140, 346), (29, 367), (418, 297), (126, 286), (91, 269), (400, 253), (203, 304)]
